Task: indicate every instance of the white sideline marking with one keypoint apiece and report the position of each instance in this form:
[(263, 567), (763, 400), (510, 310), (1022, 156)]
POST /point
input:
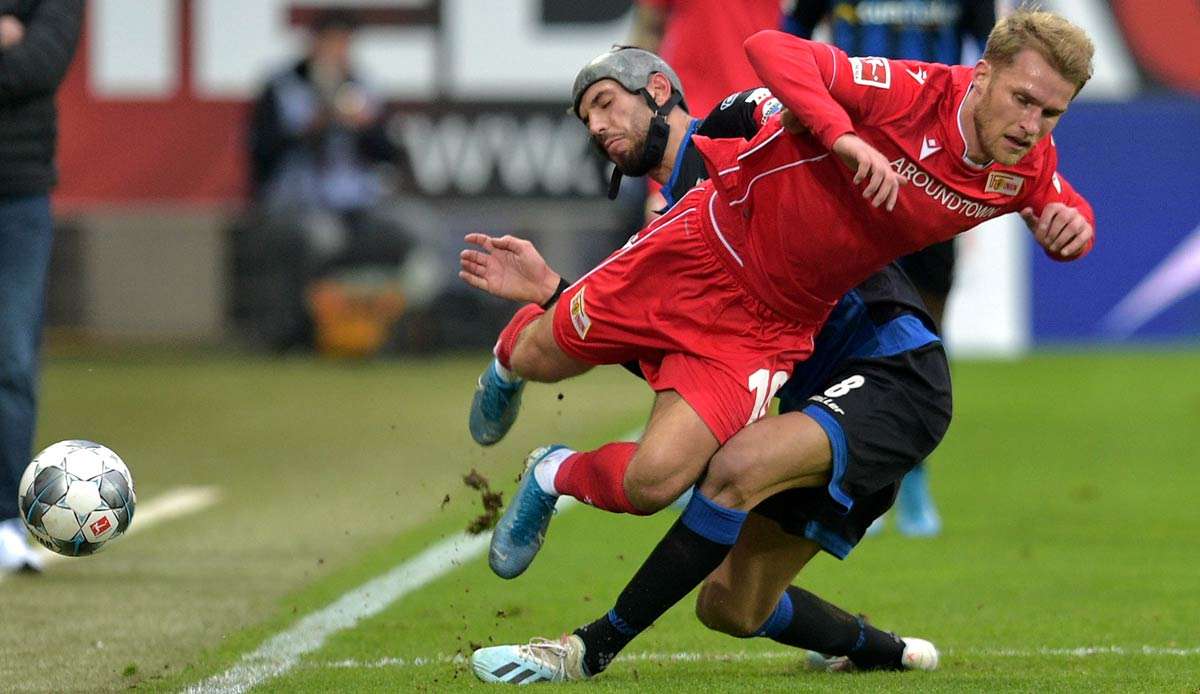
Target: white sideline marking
[(282, 652), (1084, 651), (742, 656), (166, 506)]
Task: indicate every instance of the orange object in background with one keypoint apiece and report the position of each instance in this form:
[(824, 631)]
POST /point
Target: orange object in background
[(353, 320), (1164, 36)]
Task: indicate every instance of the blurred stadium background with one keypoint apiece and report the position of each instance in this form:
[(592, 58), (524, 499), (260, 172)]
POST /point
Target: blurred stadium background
[(155, 170), (330, 471)]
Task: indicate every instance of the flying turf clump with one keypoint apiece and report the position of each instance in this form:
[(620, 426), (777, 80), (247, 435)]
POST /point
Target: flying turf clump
[(492, 502)]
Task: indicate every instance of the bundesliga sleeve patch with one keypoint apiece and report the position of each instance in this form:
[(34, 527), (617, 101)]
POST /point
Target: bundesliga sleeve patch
[(579, 317), (769, 109), (872, 72)]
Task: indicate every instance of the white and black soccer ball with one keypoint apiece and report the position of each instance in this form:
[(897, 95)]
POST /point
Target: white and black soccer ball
[(76, 497)]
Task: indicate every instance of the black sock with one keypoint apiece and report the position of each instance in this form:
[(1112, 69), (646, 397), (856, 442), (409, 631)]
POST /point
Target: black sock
[(694, 546), (825, 628)]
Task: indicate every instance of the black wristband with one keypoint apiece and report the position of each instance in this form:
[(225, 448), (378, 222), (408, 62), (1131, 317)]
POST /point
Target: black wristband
[(562, 286)]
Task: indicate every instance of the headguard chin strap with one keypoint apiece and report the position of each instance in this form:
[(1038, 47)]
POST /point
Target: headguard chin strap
[(656, 142)]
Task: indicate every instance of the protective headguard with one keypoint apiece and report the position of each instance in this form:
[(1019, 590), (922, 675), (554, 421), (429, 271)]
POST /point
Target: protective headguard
[(632, 68)]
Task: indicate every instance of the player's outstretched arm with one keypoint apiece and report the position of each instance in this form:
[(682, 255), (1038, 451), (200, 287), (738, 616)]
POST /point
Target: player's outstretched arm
[(802, 80), (803, 75), (507, 267)]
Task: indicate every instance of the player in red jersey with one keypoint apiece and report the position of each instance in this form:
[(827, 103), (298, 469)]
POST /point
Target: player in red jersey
[(972, 142), (936, 31), (733, 260), (872, 400)]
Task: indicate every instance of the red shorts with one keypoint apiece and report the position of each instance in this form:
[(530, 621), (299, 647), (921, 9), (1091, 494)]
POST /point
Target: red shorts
[(666, 300)]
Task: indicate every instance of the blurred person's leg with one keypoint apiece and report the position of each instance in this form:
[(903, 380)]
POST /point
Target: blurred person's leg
[(26, 230), (354, 292), (290, 248), (375, 239)]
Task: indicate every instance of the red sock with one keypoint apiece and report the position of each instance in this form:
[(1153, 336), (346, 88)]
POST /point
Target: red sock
[(508, 337), (597, 478)]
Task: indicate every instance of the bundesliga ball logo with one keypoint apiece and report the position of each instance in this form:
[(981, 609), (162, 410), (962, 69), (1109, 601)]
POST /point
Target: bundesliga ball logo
[(75, 497)]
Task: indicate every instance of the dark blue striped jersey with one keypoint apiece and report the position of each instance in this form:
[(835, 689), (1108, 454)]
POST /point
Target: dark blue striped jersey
[(932, 31)]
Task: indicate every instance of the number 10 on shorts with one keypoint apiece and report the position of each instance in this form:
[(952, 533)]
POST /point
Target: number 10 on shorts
[(764, 386)]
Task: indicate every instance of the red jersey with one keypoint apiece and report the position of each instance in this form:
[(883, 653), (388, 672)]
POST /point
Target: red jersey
[(703, 43), (793, 222)]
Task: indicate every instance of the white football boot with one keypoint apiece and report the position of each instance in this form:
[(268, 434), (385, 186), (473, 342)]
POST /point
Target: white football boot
[(540, 660), (15, 552), (918, 654)]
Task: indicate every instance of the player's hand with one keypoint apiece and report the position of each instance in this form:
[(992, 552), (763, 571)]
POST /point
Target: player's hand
[(507, 267), (12, 31), (869, 164), (1061, 229), (791, 123)]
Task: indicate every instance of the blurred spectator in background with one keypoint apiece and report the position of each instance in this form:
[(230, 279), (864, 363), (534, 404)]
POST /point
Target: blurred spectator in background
[(937, 31), (702, 40), (37, 40), (317, 146)]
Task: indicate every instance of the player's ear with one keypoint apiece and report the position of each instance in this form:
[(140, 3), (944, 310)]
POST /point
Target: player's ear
[(982, 75), (659, 87)]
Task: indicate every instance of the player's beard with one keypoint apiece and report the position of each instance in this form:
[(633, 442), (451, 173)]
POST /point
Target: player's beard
[(990, 134), (630, 160)]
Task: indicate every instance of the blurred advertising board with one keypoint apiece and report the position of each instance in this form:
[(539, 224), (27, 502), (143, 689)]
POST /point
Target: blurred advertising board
[(1138, 162)]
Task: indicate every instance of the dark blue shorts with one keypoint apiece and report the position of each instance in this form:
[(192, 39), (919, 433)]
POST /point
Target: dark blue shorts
[(883, 415)]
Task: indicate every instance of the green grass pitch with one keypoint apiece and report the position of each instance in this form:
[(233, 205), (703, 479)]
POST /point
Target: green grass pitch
[(1067, 484)]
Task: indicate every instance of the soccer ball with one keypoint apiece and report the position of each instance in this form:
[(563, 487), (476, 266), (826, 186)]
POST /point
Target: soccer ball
[(76, 497)]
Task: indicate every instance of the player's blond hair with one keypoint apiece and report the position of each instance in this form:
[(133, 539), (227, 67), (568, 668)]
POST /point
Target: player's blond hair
[(1065, 46)]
